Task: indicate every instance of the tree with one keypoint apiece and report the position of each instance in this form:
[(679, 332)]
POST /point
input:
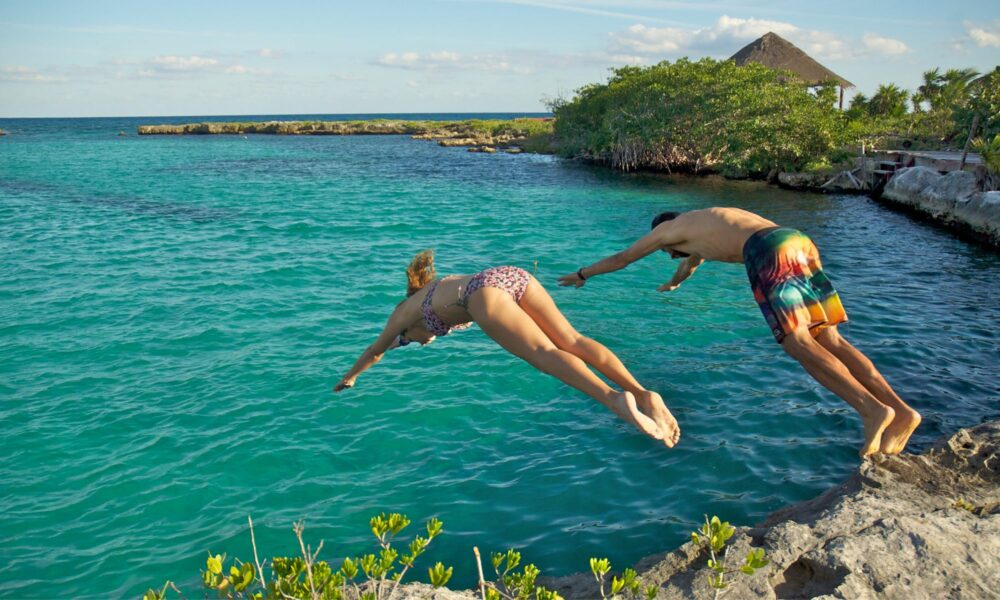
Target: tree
[(889, 100)]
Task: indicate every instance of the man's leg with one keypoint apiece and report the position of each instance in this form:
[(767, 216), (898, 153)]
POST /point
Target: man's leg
[(896, 435), (825, 368)]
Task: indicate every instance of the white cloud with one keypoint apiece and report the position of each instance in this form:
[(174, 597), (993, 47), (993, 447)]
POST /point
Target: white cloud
[(270, 53), (184, 67), (985, 35), (729, 34), (445, 60), (627, 59), (723, 38), (884, 45), (21, 74), (183, 63)]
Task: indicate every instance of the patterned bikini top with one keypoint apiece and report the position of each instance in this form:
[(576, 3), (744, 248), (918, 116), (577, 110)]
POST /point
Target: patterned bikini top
[(432, 321)]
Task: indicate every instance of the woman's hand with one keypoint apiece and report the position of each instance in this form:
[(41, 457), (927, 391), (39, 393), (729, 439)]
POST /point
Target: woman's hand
[(344, 384)]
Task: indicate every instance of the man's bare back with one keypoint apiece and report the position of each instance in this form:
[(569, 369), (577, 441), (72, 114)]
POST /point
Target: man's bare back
[(711, 234)]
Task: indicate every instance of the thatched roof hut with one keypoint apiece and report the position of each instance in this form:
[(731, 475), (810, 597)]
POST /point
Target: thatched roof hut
[(772, 50)]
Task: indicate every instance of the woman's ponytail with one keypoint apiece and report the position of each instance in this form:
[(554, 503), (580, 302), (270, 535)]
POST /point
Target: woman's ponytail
[(420, 272)]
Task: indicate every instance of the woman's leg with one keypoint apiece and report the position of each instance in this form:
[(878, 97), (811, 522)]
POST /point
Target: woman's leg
[(538, 304), (503, 320)]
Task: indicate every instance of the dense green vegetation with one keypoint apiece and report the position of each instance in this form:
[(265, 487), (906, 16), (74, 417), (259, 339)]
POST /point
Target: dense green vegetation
[(711, 115)]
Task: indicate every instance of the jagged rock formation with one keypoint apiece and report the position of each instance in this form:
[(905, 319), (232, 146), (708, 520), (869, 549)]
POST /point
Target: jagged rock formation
[(901, 527), (954, 199)]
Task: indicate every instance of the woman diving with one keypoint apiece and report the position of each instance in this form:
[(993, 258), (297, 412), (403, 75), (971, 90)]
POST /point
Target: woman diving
[(514, 309)]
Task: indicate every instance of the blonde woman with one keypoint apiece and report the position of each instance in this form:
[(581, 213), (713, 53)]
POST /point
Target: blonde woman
[(515, 310)]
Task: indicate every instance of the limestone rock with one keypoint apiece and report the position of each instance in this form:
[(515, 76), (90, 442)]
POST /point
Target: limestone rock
[(801, 181), (892, 530), (952, 199)]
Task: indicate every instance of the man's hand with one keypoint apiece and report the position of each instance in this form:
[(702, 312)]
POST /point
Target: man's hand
[(343, 385), (572, 279), (668, 287)]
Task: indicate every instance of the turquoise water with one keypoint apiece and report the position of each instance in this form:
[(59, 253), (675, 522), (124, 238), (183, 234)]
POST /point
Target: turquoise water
[(175, 310)]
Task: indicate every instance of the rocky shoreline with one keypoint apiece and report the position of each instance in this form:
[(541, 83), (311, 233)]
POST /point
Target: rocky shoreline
[(954, 200), (900, 527), (513, 135)]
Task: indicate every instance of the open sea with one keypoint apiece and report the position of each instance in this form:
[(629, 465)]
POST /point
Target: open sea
[(174, 312)]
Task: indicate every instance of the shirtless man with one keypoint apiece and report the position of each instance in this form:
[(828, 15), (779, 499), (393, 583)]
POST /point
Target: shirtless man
[(797, 299)]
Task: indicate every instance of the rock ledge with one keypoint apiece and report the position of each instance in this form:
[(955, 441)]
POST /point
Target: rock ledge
[(895, 529)]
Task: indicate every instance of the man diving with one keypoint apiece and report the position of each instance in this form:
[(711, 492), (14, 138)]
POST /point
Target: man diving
[(798, 301)]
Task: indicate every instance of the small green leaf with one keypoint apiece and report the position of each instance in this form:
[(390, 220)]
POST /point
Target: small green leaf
[(439, 575), (214, 564), (616, 585)]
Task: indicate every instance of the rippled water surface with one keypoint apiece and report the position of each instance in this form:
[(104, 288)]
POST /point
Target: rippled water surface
[(175, 310)]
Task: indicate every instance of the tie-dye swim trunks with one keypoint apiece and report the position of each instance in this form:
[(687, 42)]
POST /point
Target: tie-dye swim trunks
[(788, 282)]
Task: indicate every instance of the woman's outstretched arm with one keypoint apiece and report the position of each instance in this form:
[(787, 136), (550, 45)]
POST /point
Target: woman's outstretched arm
[(398, 321)]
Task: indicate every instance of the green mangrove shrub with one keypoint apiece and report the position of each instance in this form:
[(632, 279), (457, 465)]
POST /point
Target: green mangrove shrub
[(713, 535), (628, 586), (512, 584), (699, 115), (306, 578)]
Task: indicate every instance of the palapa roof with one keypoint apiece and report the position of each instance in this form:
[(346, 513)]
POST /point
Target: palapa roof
[(772, 50)]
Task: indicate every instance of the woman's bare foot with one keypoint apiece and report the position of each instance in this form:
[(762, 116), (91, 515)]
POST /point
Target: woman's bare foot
[(898, 433), (652, 404), (875, 423), (624, 406)]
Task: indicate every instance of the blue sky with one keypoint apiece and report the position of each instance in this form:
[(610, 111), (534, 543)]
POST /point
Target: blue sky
[(117, 58)]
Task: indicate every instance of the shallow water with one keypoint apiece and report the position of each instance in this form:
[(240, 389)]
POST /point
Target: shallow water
[(175, 310)]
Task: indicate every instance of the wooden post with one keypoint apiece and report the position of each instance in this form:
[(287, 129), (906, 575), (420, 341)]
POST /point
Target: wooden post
[(841, 106), (968, 141)]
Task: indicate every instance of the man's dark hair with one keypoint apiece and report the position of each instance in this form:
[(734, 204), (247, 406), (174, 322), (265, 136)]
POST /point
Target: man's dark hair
[(663, 216)]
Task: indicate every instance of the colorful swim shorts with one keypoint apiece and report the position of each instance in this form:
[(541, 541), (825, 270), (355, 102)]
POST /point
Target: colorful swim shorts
[(788, 282)]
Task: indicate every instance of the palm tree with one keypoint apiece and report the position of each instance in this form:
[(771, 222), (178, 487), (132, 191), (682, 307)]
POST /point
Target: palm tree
[(889, 100)]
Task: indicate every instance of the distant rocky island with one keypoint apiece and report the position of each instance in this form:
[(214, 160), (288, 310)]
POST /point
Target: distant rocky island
[(483, 135)]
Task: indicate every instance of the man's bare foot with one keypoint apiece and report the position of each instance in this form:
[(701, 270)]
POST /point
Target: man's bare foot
[(652, 404), (625, 407), (875, 423), (896, 435)]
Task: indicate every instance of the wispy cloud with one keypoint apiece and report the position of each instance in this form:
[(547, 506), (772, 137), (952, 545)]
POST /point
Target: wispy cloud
[(171, 66), (270, 53), (884, 45), (603, 8), (22, 74), (986, 35), (449, 61)]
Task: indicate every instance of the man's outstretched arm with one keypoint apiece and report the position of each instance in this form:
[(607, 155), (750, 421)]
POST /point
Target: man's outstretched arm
[(684, 270), (647, 244)]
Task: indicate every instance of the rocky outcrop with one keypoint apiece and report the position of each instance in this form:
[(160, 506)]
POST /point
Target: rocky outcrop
[(901, 527), (801, 181), (480, 134), (953, 199)]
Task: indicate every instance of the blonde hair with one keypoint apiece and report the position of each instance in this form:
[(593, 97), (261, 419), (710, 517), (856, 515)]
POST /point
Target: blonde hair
[(420, 272)]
